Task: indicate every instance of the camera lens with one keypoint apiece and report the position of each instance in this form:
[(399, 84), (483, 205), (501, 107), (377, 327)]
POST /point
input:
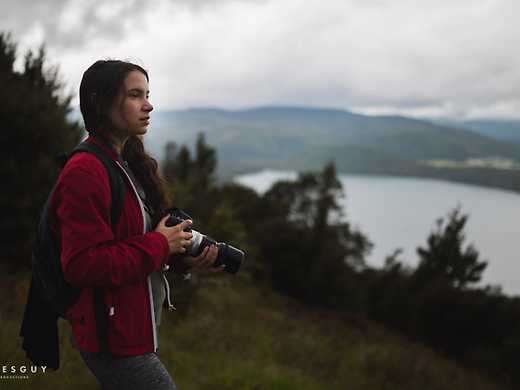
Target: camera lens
[(230, 256)]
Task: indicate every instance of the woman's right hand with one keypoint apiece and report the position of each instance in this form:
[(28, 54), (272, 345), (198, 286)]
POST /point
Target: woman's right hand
[(177, 238)]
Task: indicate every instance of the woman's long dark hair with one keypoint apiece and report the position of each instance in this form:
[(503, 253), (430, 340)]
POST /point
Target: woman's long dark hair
[(100, 85)]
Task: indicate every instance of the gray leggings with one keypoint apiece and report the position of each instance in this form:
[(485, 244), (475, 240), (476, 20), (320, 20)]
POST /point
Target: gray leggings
[(130, 373)]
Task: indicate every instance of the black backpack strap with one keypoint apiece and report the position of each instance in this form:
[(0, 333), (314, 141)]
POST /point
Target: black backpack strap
[(117, 185), (117, 188)]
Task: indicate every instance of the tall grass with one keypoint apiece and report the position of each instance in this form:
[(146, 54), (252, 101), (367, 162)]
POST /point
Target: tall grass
[(235, 335)]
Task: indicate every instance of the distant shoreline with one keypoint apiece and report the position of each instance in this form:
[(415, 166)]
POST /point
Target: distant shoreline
[(506, 180)]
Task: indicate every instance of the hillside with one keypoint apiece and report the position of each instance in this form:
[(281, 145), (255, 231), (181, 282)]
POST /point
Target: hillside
[(270, 130), (305, 138), (239, 336), (504, 130)]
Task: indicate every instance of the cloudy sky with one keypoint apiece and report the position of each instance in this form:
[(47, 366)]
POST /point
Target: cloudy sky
[(434, 58)]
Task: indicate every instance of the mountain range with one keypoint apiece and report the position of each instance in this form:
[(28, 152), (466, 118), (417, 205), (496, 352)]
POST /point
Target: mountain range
[(302, 138), (505, 130)]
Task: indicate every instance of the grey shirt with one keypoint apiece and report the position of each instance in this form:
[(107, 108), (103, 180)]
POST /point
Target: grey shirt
[(156, 277)]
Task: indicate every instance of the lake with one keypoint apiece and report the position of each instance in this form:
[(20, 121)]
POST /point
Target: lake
[(398, 212)]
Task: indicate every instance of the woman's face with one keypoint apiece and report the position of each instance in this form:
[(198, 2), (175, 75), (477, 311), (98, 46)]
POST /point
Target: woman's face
[(130, 113)]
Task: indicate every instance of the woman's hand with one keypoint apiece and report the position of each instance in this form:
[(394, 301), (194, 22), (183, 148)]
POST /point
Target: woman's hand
[(204, 262), (177, 238)]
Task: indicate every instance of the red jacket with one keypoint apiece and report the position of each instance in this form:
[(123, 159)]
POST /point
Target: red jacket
[(120, 261)]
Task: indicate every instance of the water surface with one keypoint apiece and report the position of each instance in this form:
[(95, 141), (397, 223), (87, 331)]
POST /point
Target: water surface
[(398, 212)]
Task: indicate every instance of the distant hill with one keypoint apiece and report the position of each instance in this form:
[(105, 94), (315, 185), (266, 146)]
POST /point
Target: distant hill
[(305, 138), (504, 130)]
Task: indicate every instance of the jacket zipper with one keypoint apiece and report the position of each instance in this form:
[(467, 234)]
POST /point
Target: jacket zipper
[(149, 280)]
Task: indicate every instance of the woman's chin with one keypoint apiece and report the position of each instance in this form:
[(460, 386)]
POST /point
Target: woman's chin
[(142, 130)]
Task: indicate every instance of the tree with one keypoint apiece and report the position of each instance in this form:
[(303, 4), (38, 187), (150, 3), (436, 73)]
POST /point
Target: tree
[(205, 163), (169, 162), (34, 130), (179, 167), (444, 257), (314, 251), (192, 178)]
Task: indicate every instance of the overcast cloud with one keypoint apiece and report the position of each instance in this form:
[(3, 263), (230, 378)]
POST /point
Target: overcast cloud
[(442, 58)]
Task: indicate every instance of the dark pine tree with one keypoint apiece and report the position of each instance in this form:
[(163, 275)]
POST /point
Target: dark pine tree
[(312, 250), (34, 130), (444, 258)]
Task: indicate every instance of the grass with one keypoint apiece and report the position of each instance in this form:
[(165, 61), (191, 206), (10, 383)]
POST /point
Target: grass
[(235, 335)]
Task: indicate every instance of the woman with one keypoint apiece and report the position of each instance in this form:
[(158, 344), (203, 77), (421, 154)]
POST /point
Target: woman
[(126, 263)]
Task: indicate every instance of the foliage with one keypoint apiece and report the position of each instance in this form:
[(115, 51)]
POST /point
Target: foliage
[(435, 304), (34, 130), (192, 178), (315, 252), (299, 241), (238, 335), (444, 258), (192, 188)]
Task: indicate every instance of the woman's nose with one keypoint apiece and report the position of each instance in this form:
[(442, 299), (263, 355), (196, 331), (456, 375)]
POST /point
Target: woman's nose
[(148, 107)]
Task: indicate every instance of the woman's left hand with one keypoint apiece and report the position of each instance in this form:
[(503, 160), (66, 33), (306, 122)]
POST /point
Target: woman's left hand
[(204, 262)]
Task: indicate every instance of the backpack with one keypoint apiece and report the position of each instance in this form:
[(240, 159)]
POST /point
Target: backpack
[(46, 255)]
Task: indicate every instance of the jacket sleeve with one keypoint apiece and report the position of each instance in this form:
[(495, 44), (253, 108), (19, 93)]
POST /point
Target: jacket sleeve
[(90, 254)]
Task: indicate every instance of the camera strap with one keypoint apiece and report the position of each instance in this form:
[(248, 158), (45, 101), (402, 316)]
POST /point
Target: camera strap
[(140, 190)]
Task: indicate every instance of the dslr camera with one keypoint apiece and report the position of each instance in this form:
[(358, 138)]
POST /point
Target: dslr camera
[(228, 255)]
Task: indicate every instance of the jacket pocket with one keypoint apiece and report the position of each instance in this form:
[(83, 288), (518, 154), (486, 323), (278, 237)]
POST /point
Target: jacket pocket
[(129, 315), (82, 322)]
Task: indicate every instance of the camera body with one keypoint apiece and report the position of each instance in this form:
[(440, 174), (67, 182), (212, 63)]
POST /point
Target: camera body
[(228, 255)]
